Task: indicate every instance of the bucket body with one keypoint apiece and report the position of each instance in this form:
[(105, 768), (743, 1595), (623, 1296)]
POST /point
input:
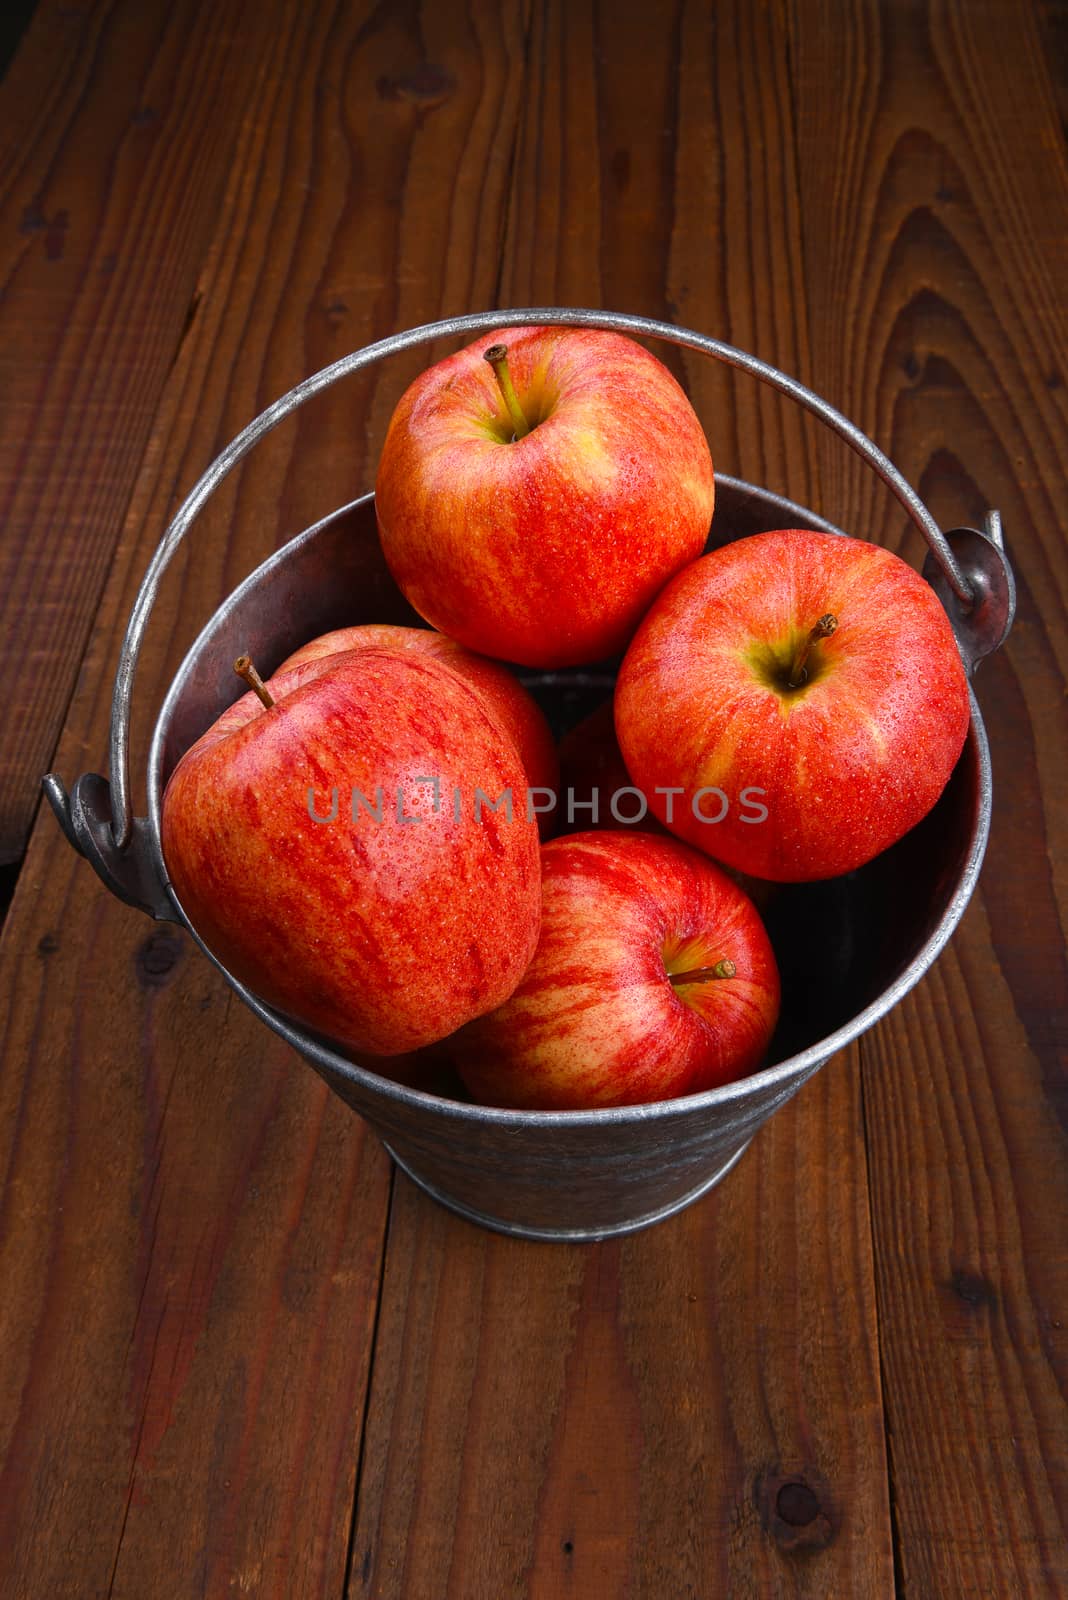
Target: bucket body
[(585, 1175)]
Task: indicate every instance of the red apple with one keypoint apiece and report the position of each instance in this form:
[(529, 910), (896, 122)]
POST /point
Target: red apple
[(803, 696), (591, 763), (653, 978), (313, 853), (517, 712), (533, 509), (591, 766)]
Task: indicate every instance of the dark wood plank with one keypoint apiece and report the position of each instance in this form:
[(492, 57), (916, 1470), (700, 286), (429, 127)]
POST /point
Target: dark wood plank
[(621, 1418), (118, 124), (935, 243), (191, 1228), (624, 1418), (189, 1278)]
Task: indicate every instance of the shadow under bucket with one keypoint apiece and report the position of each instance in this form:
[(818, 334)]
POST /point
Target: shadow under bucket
[(582, 1174)]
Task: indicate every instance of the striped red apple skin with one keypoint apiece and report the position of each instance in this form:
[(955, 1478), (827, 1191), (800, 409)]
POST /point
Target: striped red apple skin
[(596, 1019), (383, 935), (517, 712), (844, 764), (547, 550)]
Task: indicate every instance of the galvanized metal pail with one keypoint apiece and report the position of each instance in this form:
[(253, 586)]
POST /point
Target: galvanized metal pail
[(580, 1174)]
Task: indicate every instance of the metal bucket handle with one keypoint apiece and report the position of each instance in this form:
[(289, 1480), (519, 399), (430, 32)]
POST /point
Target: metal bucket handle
[(967, 568)]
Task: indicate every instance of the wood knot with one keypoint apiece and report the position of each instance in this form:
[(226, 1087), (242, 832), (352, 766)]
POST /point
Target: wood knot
[(796, 1511), (157, 957), (973, 1289), (797, 1504), (33, 218), (48, 944), (424, 86), (54, 227)]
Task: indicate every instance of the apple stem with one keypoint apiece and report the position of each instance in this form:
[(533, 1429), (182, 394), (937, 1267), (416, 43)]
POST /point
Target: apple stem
[(823, 630), (244, 669), (497, 356), (722, 969)]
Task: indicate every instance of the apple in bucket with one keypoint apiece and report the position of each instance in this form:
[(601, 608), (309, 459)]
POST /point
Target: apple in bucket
[(595, 786), (653, 978), (327, 840), (518, 713), (538, 488), (793, 703)]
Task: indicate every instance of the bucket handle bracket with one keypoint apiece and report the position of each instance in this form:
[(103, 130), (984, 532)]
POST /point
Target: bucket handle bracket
[(983, 626), (85, 817)]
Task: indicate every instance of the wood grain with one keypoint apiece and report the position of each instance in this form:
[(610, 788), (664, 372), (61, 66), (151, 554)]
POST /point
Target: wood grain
[(939, 242), (691, 1411), (696, 1410), (117, 134), (191, 1229)]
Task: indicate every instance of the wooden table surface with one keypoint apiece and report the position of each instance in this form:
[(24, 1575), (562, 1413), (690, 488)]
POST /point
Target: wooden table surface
[(240, 1355)]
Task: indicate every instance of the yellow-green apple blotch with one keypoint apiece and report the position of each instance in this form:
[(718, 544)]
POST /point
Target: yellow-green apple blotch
[(653, 978), (793, 703), (497, 356), (533, 505), (385, 921)]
